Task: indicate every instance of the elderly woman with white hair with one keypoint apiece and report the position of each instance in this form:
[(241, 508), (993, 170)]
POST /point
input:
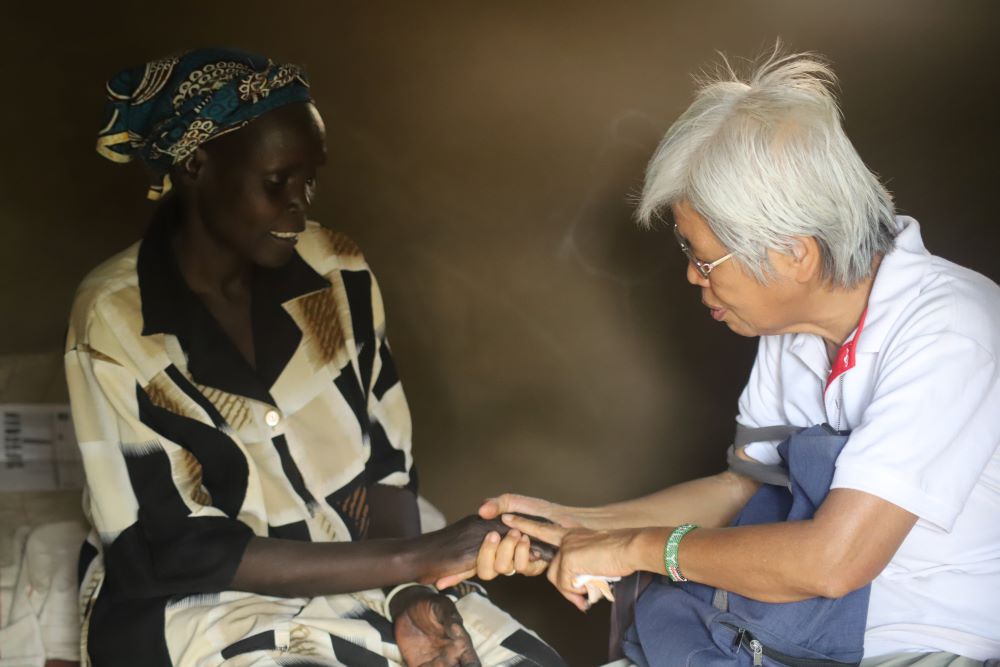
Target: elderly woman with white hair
[(886, 525)]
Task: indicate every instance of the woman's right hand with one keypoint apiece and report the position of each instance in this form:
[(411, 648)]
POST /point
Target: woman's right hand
[(511, 503)]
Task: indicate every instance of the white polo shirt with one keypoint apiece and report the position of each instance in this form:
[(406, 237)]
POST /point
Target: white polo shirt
[(918, 385)]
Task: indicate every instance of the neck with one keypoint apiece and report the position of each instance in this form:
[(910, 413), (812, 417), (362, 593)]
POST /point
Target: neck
[(842, 309), (208, 265)]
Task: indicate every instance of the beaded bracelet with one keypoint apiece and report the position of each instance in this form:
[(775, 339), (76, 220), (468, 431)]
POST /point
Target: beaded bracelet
[(670, 551)]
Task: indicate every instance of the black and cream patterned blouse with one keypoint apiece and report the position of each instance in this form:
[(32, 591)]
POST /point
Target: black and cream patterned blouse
[(189, 452)]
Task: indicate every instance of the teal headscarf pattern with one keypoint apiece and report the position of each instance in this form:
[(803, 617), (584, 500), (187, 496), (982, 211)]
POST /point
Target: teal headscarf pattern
[(163, 110)]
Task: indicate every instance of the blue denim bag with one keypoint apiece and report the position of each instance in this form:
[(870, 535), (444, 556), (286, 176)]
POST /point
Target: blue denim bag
[(689, 624)]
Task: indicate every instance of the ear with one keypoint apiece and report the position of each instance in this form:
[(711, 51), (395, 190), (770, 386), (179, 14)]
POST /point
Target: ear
[(190, 168), (805, 260)]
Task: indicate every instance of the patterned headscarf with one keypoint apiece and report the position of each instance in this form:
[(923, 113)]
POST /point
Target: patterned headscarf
[(163, 110)]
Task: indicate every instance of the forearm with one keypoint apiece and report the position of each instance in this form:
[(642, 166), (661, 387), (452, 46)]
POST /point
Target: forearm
[(290, 568), (394, 512), (848, 543), (708, 501), (781, 562)]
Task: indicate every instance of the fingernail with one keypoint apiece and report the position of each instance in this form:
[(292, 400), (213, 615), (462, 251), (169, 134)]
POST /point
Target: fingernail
[(493, 537)]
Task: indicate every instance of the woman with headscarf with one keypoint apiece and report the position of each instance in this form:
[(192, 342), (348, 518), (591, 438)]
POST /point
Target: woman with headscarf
[(875, 534), (245, 436)]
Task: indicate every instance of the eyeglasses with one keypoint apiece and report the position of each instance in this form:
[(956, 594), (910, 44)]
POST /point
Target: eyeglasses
[(703, 268)]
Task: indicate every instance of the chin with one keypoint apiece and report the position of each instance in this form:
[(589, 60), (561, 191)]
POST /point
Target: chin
[(740, 329), (274, 259)]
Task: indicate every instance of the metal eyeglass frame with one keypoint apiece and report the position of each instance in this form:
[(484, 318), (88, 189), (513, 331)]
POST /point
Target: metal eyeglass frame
[(703, 268)]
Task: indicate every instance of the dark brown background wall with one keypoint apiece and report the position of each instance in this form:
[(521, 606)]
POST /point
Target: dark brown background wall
[(483, 154)]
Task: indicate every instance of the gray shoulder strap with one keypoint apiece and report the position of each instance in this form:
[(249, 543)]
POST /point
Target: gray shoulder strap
[(776, 474), (745, 434)]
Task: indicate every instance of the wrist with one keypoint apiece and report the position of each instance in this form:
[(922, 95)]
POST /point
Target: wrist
[(404, 595), (646, 549), (410, 559)]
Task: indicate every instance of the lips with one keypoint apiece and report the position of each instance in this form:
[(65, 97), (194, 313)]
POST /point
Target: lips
[(285, 237), (718, 313)]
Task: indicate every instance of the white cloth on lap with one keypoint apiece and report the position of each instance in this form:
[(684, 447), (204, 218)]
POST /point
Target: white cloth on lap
[(41, 616)]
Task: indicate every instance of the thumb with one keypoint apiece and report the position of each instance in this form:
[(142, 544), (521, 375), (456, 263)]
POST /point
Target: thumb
[(512, 502), (490, 509), (453, 579)]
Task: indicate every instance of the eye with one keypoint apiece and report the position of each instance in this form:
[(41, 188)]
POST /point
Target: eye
[(276, 181)]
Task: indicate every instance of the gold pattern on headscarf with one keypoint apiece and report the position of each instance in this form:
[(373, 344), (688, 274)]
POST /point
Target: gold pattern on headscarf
[(197, 133), (156, 76), (211, 77)]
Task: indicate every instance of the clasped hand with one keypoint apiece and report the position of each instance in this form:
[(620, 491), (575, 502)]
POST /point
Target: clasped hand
[(581, 550)]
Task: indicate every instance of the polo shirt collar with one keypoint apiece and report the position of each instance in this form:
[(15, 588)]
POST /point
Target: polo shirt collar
[(170, 307)]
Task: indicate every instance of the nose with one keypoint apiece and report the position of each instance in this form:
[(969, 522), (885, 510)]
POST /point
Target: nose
[(694, 277), (298, 197), (300, 191)]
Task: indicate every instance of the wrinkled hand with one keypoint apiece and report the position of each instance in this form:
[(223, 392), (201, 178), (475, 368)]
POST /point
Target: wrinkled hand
[(581, 551), (506, 551), (509, 503), (510, 553), (429, 631), (454, 549)]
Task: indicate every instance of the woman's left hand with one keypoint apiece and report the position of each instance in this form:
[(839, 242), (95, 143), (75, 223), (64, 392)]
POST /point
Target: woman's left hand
[(608, 553), (429, 631)]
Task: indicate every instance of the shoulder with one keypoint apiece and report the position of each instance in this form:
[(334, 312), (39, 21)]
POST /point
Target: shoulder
[(918, 296), (327, 250), (954, 302), (109, 293)]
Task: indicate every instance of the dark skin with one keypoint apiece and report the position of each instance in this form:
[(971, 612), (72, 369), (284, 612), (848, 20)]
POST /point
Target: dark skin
[(243, 197)]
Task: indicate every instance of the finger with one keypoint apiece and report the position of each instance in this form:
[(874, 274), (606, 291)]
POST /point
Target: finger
[(504, 562), (562, 579), (546, 532), (490, 509), (454, 579), (553, 574), (512, 502), (487, 556), (522, 554), (578, 601)]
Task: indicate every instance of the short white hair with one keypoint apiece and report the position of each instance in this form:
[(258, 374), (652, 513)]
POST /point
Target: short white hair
[(764, 160)]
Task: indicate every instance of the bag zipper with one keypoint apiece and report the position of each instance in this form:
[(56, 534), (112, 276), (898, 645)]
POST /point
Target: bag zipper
[(745, 638)]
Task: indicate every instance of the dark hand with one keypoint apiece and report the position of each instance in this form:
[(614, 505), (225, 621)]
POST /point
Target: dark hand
[(429, 630), (454, 549)]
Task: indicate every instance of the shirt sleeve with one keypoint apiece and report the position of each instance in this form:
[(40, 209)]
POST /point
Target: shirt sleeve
[(167, 523), (759, 404), (930, 427)]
